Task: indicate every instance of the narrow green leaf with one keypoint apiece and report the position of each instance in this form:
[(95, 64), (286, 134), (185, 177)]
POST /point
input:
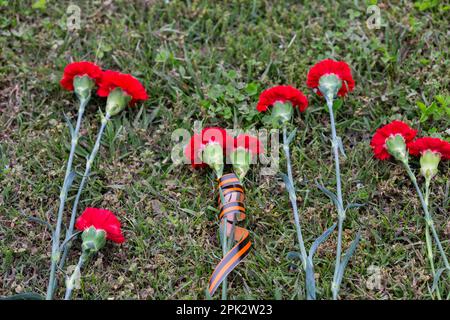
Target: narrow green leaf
[(292, 136), (330, 194), (320, 240), (354, 205), (69, 180), (341, 147), (24, 296), (70, 125), (72, 237), (294, 255), (39, 220), (348, 254), (436, 279)]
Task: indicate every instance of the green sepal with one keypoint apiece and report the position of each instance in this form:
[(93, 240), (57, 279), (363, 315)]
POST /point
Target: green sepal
[(93, 239), (429, 162), (329, 86), (281, 113), (241, 159), (396, 147), (212, 155), (117, 101), (83, 86)]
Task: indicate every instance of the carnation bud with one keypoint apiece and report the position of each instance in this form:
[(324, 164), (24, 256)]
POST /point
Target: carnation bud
[(429, 162), (93, 239), (396, 147), (281, 113), (83, 86), (241, 160), (329, 85), (117, 101)]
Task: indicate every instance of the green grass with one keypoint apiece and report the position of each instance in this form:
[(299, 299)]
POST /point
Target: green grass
[(208, 61)]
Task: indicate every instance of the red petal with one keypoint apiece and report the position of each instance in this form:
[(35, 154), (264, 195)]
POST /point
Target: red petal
[(80, 69), (379, 139), (101, 219), (421, 145), (283, 94), (329, 66), (128, 83)]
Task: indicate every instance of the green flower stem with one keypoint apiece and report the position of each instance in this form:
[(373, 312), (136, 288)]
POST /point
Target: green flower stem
[(431, 257), (429, 248), (63, 196), (340, 203), (428, 237), (86, 174), (428, 218), (335, 285), (293, 199), (75, 277)]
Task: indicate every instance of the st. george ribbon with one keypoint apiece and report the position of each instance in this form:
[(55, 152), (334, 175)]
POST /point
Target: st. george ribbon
[(231, 206)]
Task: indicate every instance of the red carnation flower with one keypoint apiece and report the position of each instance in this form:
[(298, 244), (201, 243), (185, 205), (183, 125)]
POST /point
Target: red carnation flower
[(396, 127), (327, 67), (129, 84), (282, 94), (199, 141), (250, 143), (101, 219), (436, 145), (82, 68)]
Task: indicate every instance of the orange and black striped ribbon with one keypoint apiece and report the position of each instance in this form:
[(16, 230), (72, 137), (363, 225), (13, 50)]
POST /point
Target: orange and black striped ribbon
[(231, 209)]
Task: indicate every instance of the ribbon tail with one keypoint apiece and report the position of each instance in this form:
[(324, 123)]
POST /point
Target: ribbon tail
[(231, 205), (228, 263)]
